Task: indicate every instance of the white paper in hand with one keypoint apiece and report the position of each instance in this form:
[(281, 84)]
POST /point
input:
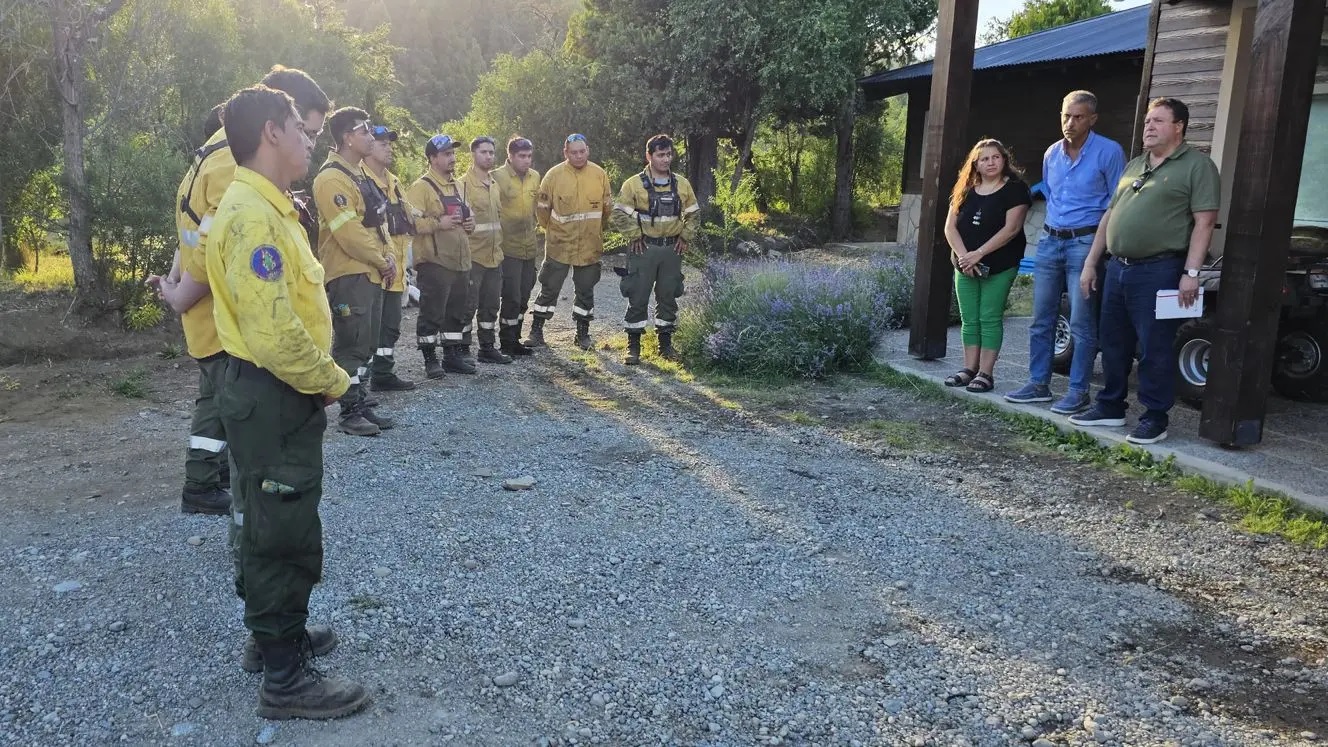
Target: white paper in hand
[(1168, 306)]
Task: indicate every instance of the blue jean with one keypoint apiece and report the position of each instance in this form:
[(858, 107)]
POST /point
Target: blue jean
[(1056, 270), (1129, 303)]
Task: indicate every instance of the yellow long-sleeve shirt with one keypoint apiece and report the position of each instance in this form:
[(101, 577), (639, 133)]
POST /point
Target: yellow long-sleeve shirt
[(391, 187), (573, 207), (518, 194), (203, 185), (448, 247), (271, 308), (481, 194), (631, 211), (345, 246)]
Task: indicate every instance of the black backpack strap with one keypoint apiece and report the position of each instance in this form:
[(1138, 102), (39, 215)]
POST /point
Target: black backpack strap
[(200, 156)]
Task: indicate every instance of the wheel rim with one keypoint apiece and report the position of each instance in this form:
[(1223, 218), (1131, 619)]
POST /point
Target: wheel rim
[(1062, 334), (1301, 355), (1193, 362)]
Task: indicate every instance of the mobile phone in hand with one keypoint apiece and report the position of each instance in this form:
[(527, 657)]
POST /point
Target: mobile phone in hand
[(983, 270)]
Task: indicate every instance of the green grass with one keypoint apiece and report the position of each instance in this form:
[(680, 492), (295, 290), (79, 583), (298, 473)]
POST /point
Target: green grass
[(134, 385), (56, 273), (1260, 512), (799, 417), (897, 434), (170, 351)]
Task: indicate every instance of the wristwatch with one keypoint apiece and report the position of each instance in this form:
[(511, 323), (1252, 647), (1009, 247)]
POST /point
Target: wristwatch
[(1191, 272)]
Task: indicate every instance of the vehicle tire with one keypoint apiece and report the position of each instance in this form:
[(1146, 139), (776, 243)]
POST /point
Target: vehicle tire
[(1062, 350), (1194, 342), (1300, 371)]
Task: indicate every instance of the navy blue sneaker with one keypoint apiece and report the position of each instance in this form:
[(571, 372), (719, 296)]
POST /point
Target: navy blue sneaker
[(1148, 431), (1029, 393), (1072, 402), (1096, 415)]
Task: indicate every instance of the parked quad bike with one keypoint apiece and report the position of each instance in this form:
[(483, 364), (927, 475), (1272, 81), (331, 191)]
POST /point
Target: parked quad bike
[(1300, 371)]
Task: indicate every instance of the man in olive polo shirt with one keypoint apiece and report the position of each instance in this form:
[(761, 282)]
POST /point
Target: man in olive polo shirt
[(1157, 231)]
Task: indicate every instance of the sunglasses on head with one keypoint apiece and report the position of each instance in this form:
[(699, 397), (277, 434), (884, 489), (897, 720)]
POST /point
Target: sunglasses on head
[(363, 126), (576, 138)]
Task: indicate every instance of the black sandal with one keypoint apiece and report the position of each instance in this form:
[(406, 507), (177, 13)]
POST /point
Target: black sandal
[(960, 377), (981, 383)]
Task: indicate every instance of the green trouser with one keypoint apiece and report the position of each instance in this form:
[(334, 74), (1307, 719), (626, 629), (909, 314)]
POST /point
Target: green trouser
[(552, 274), (205, 464), (276, 441), (982, 308), (389, 331), (357, 313), (659, 268)]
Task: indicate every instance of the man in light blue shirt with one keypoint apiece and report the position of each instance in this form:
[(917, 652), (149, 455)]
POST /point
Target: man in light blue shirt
[(1081, 171)]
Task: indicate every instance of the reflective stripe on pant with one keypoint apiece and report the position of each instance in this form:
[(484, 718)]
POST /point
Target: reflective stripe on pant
[(276, 437), (444, 300), (486, 287), (357, 313), (389, 331), (205, 466), (551, 278), (518, 281), (659, 269)]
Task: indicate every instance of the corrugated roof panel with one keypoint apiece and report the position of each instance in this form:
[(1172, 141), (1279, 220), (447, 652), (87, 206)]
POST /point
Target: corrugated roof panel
[(1113, 33)]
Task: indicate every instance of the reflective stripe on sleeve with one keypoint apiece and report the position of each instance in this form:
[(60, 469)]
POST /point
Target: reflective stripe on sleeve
[(692, 209), (487, 227), (207, 444), (624, 208), (342, 219)]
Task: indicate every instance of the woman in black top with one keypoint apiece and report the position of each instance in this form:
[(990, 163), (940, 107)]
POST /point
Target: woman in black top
[(985, 230)]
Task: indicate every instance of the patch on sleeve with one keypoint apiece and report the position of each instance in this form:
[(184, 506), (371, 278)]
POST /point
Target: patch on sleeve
[(340, 200), (266, 262)]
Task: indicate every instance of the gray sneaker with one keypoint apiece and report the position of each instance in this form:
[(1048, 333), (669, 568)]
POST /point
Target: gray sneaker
[(1072, 402), (1029, 393)]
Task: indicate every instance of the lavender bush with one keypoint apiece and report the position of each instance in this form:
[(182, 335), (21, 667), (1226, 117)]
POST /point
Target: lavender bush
[(778, 319)]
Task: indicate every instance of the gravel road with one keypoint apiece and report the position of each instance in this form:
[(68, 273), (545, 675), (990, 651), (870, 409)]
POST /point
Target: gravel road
[(681, 572)]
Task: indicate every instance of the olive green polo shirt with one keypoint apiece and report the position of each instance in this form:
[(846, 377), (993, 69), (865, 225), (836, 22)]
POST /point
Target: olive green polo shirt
[(1158, 217)]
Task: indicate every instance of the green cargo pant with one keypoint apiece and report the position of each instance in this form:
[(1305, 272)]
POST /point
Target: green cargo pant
[(357, 313), (659, 269), (389, 331), (205, 464), (552, 274), (276, 441)]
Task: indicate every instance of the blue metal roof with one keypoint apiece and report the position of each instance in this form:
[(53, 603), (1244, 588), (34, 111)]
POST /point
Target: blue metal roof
[(1113, 33)]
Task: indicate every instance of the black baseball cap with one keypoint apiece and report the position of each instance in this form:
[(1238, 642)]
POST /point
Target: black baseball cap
[(382, 133)]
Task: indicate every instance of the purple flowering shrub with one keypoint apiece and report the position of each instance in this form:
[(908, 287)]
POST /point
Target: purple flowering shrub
[(778, 319)]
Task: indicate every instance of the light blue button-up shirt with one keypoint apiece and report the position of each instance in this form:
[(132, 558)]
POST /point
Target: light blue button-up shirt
[(1079, 191)]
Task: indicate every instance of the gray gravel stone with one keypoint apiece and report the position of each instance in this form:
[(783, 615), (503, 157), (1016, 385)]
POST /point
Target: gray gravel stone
[(519, 483), (507, 679)]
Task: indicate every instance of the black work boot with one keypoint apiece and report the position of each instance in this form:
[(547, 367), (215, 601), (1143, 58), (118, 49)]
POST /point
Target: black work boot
[(454, 362), (352, 420), (211, 502), (293, 688), (490, 354), (390, 382), (371, 415), (321, 638), (536, 339), (633, 349), (666, 350), (510, 342), (583, 340), (432, 368)]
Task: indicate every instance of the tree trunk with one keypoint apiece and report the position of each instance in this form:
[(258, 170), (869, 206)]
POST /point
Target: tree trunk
[(748, 139), (68, 37), (702, 159), (841, 211)]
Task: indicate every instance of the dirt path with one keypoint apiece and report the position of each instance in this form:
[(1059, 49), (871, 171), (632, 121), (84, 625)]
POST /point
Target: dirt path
[(816, 565)]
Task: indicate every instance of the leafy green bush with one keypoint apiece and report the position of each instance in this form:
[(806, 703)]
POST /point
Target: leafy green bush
[(143, 316), (777, 319)]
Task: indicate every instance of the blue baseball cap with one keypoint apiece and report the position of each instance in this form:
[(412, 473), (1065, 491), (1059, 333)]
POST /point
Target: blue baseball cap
[(439, 143)]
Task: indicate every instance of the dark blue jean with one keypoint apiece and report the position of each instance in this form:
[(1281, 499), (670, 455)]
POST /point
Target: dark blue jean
[(1128, 321), (1056, 270)]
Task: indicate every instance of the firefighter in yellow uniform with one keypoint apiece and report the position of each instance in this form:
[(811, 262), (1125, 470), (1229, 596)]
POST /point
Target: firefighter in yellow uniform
[(358, 259), (273, 320), (442, 261), (573, 208), (185, 289), (518, 186), (377, 166), (656, 210), (486, 247)]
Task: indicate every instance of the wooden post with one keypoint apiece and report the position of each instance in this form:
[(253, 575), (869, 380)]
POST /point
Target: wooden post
[(947, 127), (1285, 52)]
